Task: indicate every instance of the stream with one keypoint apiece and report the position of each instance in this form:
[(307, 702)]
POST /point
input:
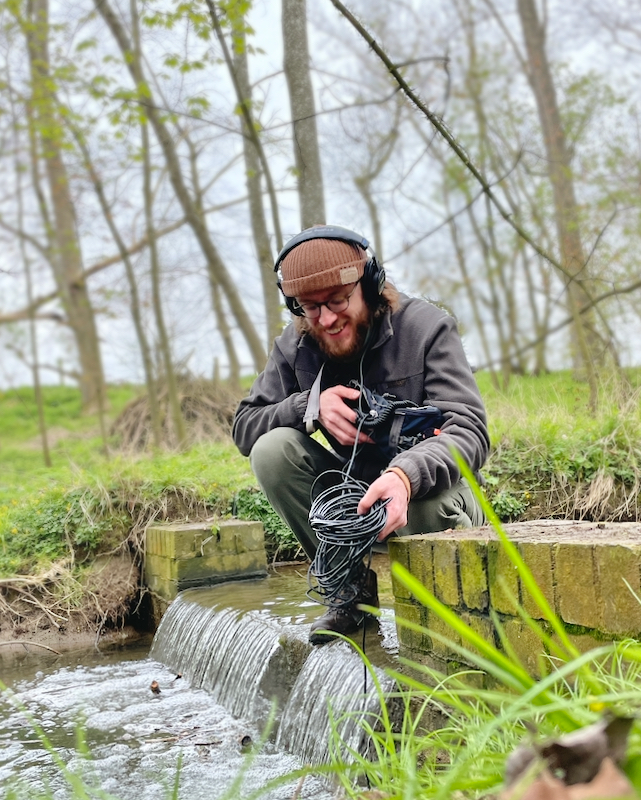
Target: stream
[(244, 662)]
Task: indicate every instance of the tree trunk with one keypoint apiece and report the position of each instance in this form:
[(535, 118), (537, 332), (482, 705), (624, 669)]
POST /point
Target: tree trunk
[(301, 99), (165, 347), (65, 257), (588, 350), (271, 295), (194, 219)]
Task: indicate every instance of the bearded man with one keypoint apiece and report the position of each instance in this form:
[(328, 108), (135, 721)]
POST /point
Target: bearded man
[(350, 324)]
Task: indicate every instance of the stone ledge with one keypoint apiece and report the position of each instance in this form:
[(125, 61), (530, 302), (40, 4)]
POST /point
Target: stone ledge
[(187, 555), (582, 569)]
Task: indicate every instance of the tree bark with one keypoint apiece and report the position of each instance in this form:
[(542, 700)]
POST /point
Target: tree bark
[(301, 99), (588, 350), (66, 259)]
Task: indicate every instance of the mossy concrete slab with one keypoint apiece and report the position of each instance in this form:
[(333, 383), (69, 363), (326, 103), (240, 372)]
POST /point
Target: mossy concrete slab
[(583, 570), (473, 573), (186, 555)]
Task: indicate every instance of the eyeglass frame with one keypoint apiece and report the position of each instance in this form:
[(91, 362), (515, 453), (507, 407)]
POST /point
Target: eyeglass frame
[(301, 306)]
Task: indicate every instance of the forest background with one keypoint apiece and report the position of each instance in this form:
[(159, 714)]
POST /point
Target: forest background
[(156, 156)]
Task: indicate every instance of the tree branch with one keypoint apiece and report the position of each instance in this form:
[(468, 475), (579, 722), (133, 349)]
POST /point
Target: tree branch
[(449, 137), (109, 261)]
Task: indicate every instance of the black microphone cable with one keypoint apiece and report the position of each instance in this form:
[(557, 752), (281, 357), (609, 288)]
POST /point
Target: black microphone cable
[(345, 538), (337, 573)]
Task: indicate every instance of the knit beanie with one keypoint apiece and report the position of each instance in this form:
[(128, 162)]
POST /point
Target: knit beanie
[(321, 264)]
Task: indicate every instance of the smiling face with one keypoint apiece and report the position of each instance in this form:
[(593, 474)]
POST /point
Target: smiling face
[(339, 335)]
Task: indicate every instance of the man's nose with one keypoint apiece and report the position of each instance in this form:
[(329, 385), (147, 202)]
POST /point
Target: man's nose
[(327, 318)]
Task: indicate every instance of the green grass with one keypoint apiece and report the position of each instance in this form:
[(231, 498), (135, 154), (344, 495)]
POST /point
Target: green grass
[(493, 706), (74, 438), (89, 501), (553, 456), (550, 453)]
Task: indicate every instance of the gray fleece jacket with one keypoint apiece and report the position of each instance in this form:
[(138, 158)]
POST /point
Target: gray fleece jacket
[(416, 354)]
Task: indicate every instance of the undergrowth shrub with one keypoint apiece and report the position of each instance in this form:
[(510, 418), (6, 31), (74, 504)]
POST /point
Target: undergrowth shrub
[(251, 504), (47, 527)]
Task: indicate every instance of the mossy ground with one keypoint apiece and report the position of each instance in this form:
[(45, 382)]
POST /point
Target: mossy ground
[(552, 456)]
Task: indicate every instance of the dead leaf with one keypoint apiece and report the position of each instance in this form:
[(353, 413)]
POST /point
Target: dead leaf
[(575, 757), (608, 784)]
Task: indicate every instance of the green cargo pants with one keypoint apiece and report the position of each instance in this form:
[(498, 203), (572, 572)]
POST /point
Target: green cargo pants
[(286, 463)]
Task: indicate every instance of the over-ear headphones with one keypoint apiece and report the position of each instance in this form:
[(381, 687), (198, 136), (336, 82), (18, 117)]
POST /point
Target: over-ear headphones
[(373, 280)]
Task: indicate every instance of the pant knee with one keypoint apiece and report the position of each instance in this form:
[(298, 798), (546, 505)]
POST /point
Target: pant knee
[(269, 455)]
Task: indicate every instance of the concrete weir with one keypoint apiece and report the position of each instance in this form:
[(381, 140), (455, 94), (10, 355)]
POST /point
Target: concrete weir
[(586, 572), (196, 554)]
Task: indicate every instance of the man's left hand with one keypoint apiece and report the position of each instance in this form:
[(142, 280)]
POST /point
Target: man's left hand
[(388, 485)]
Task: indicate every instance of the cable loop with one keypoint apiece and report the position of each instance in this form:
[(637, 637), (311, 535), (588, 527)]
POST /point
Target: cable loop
[(337, 574), (345, 538)]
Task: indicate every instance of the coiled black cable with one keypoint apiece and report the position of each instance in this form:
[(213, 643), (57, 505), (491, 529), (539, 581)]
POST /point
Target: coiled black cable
[(337, 574), (345, 538)]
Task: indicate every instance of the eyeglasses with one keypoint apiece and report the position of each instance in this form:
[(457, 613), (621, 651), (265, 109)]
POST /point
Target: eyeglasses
[(335, 305)]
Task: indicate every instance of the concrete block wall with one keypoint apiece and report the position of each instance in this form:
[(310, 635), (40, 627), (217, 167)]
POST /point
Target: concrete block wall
[(582, 569), (186, 555)]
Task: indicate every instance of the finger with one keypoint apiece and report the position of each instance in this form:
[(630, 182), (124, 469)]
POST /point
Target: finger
[(346, 392), (366, 502)]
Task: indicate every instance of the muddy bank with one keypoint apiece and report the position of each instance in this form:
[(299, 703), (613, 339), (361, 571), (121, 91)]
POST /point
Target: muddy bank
[(71, 609)]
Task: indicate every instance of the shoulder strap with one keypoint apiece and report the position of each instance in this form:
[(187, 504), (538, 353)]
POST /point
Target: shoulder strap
[(312, 412)]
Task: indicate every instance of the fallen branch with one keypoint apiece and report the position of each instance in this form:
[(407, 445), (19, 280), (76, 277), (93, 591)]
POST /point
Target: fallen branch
[(35, 644)]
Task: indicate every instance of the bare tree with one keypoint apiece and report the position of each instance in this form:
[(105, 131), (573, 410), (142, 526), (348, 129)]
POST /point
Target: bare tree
[(65, 253), (589, 350), (256, 166), (301, 99), (194, 218), (134, 295), (33, 335), (163, 337)]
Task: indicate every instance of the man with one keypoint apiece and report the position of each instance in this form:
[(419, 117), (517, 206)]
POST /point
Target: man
[(349, 324)]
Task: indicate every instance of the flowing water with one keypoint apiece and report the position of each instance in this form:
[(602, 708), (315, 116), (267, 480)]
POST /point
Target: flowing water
[(242, 652)]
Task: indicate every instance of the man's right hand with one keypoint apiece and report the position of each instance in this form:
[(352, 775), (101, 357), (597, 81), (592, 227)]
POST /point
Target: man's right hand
[(338, 418)]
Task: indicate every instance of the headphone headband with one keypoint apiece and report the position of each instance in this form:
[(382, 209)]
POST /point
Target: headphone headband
[(373, 280), (322, 232)]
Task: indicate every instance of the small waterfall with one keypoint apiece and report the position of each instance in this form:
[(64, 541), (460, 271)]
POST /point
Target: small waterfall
[(222, 651), (332, 677), (247, 659)]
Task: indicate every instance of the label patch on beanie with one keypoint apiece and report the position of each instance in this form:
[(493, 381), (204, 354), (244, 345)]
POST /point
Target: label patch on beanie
[(349, 275)]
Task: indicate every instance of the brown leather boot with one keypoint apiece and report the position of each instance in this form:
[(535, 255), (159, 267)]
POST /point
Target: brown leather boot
[(346, 618)]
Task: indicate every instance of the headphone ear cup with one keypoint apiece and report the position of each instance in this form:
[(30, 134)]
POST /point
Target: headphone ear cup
[(292, 305), (373, 281)]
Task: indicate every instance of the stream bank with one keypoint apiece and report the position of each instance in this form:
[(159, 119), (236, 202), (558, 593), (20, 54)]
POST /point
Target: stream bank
[(65, 609)]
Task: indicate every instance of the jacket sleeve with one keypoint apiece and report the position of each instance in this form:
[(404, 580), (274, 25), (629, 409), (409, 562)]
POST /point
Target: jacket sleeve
[(275, 401), (448, 384)]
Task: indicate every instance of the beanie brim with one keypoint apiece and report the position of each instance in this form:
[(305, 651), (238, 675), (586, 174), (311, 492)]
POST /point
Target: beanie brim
[(339, 275)]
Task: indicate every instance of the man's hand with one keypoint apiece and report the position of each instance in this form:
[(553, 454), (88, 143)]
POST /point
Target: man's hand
[(338, 418), (388, 485)]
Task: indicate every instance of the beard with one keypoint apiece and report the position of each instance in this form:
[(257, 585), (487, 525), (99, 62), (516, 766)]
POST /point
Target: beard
[(348, 350)]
